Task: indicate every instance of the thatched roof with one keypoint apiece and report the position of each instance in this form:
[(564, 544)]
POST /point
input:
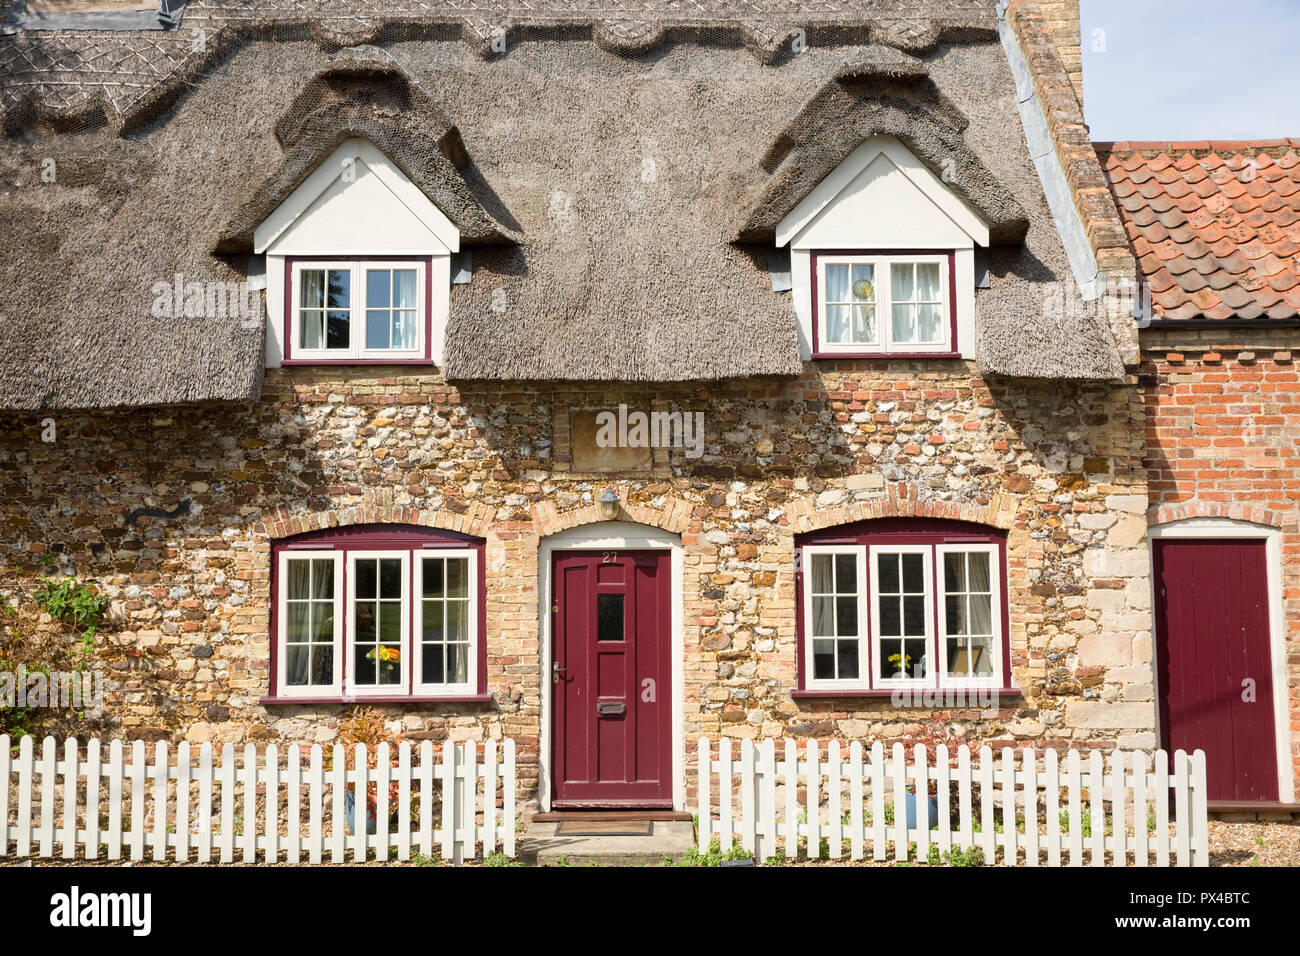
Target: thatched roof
[(608, 191)]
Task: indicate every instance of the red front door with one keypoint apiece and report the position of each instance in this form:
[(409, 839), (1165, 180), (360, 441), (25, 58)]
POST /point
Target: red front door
[(612, 679), (1214, 662)]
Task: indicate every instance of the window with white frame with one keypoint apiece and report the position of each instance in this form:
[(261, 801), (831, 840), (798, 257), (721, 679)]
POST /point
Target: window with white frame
[(385, 614), (357, 310), (883, 303), (911, 604)]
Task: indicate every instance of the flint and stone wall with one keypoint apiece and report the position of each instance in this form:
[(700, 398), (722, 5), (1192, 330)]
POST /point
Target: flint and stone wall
[(1058, 465)]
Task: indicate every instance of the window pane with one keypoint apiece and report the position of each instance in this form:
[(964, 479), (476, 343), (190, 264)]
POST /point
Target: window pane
[(378, 289), (311, 288), (432, 668), (892, 663), (887, 568), (295, 625), (337, 334), (432, 623), (901, 282), (322, 616), (954, 571), (864, 282), (458, 663), (458, 620), (364, 665), (837, 283), (823, 624), (917, 664), (981, 657), (929, 323), (297, 666), (846, 616), (322, 669), (824, 660), (978, 562), (955, 614), (846, 574), (390, 665), (864, 324), (390, 578), (433, 577), (299, 585), (364, 624), (848, 660), (377, 329), (890, 616), (390, 622), (904, 323), (821, 574), (340, 289), (404, 288), (609, 617), (365, 571), (311, 329), (837, 324), (981, 613), (458, 577), (914, 573), (404, 330), (322, 579), (914, 615), (927, 282)]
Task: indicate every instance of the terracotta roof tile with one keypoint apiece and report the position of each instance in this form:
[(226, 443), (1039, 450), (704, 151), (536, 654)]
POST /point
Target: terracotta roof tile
[(1215, 226)]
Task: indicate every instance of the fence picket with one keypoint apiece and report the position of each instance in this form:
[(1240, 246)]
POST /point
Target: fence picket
[(855, 800), (1096, 784), (922, 800), (293, 805), (426, 798), (271, 816), (813, 802), (791, 799), (183, 802), (5, 763), (987, 832), (1031, 807), (248, 817), (70, 801), (899, 767), (205, 803), (725, 787), (227, 773), (49, 768), (114, 800), (467, 761), (1139, 809), (162, 764), (1162, 807), (1200, 812), (878, 832), (1052, 808), (508, 797), (965, 825), (1182, 831), (943, 775), (315, 803), (382, 811), (747, 823), (1119, 831), (489, 799), (447, 770), (834, 827), (338, 816), (1074, 788), (404, 801), (361, 803), (767, 841), (703, 789), (1008, 792)]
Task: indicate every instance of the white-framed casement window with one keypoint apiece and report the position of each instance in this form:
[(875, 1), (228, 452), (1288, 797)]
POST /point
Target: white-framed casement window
[(886, 304), (902, 608), (357, 310), (835, 616), (311, 598), (447, 617), (381, 616)]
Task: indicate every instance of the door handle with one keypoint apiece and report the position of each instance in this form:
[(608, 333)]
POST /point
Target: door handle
[(556, 671), (611, 707)]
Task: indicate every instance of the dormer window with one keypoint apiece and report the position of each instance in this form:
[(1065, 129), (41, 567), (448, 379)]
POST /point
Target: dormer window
[(357, 311), (886, 304)]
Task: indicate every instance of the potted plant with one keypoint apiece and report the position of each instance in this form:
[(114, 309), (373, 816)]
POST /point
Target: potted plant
[(364, 725), (901, 663)]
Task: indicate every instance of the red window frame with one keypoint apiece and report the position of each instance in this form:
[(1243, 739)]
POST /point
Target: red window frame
[(426, 263), (379, 537), (819, 353), (901, 531)]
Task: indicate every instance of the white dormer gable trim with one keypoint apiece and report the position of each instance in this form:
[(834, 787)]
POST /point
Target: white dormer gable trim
[(880, 200), (329, 185), (845, 180)]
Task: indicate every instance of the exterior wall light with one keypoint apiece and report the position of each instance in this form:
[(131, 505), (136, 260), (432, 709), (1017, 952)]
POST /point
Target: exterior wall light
[(608, 503)]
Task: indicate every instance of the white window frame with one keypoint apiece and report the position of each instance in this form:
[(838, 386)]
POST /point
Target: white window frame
[(403, 686), (884, 305), (995, 585), (927, 553), (356, 350), (282, 687), (470, 685), (864, 662)]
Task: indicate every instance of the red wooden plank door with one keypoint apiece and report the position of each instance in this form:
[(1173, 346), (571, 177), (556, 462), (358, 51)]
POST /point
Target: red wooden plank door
[(1214, 665), (612, 682)]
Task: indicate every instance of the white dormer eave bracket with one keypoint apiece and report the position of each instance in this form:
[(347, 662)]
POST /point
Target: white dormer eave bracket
[(825, 193), (348, 152)]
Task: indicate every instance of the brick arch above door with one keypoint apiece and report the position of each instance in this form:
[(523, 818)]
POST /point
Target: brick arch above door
[(1182, 510), (671, 514)]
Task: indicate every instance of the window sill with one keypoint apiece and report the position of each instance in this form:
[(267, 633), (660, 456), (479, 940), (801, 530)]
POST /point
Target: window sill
[(1010, 693), (272, 701), (884, 356), (357, 361)]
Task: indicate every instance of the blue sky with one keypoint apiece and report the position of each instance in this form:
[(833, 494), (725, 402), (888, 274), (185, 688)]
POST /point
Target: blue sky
[(1191, 69)]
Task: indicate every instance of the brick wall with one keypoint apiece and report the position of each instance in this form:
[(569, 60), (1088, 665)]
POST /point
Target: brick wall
[(1223, 440), (1057, 465)]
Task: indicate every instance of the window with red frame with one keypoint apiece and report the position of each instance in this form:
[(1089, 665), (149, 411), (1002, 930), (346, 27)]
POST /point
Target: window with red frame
[(388, 612), (883, 303), (902, 603)]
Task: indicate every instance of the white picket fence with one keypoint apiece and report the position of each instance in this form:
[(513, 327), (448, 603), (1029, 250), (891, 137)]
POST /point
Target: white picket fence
[(293, 810), (841, 798)]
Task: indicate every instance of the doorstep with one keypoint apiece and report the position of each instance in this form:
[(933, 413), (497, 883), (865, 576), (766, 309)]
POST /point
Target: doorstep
[(1240, 811), (622, 838)]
